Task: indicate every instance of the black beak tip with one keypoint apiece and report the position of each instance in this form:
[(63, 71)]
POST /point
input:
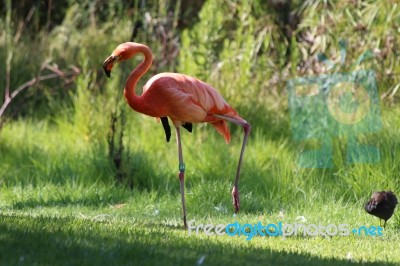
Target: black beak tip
[(108, 72)]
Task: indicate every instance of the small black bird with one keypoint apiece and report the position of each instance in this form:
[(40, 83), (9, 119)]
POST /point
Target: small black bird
[(382, 205)]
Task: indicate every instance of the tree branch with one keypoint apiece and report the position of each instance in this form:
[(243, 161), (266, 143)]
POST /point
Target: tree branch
[(57, 73)]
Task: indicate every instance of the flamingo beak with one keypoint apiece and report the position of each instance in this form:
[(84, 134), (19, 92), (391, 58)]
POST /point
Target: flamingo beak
[(109, 63)]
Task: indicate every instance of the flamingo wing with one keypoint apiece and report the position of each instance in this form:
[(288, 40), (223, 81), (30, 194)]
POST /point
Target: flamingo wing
[(188, 100)]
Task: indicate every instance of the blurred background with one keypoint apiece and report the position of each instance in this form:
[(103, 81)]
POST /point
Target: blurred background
[(73, 127)]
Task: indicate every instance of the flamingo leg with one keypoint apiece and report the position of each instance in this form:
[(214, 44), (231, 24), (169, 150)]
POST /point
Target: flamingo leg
[(247, 129), (181, 174)]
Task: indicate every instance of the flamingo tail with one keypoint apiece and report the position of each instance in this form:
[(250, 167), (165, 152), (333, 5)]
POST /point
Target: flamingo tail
[(222, 128)]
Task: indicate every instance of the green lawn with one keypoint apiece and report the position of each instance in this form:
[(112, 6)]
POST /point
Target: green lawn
[(59, 203)]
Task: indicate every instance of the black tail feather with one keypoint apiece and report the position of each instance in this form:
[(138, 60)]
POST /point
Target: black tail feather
[(167, 128), (188, 127)]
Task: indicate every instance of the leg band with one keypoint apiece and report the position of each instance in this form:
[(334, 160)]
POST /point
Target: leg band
[(182, 167)]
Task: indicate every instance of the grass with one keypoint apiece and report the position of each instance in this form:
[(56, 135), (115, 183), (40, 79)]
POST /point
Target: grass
[(103, 240), (134, 233), (59, 203), (108, 225)]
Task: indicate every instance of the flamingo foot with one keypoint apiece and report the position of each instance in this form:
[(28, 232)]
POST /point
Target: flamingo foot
[(235, 199)]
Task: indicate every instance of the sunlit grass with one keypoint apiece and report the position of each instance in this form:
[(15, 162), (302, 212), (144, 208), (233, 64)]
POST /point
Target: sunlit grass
[(136, 233)]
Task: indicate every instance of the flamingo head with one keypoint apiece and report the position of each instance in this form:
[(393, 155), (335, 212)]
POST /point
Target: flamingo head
[(123, 52)]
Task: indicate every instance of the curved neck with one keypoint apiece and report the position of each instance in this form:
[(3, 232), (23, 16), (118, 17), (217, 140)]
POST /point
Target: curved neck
[(136, 74)]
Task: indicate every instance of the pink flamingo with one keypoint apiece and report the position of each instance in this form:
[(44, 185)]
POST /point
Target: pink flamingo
[(185, 100)]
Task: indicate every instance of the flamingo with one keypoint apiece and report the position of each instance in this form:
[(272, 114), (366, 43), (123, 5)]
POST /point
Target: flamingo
[(184, 100)]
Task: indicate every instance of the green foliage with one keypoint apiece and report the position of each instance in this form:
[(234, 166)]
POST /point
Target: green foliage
[(364, 25), (243, 55), (200, 45)]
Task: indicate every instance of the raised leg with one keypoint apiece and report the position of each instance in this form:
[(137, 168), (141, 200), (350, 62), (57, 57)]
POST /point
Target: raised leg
[(247, 129), (181, 174)]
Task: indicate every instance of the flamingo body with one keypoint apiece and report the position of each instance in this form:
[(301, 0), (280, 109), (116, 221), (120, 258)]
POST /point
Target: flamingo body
[(184, 99)]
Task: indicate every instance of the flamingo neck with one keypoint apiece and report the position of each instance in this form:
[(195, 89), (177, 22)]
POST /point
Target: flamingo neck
[(134, 100)]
